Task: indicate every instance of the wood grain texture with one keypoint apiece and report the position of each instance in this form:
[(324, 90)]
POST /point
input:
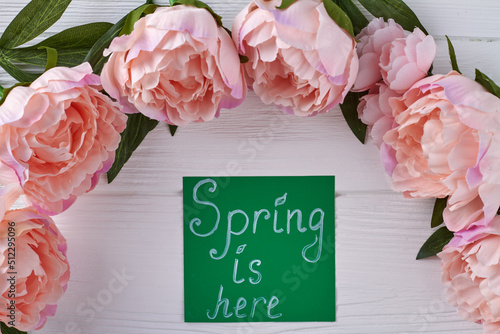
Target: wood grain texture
[(134, 225)]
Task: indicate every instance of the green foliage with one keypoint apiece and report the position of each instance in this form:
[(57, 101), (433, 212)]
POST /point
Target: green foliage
[(359, 21), (285, 4), (172, 129), (395, 9), (134, 16), (440, 238), (51, 57), (350, 111), (10, 330), (72, 45), (31, 21), (138, 126), (67, 48), (437, 212), (487, 83), (244, 59), (94, 56), (14, 71), (453, 56), (339, 16)]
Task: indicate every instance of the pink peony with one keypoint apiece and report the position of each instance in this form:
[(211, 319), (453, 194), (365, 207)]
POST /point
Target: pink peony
[(491, 327), (299, 58), (41, 267), (59, 134), (470, 275), (375, 111), (372, 40), (476, 200), (445, 125), (407, 60), (177, 66)]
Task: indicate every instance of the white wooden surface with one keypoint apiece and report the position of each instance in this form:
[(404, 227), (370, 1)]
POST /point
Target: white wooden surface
[(134, 225)]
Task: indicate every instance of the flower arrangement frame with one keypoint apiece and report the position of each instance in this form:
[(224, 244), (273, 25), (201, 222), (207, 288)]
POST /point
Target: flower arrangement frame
[(348, 112)]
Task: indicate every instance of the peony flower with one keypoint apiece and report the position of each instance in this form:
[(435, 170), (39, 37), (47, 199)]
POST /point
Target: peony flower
[(407, 60), (59, 134), (470, 275), (491, 327), (372, 40), (41, 267), (476, 201), (177, 66), (445, 125), (375, 111), (299, 58)]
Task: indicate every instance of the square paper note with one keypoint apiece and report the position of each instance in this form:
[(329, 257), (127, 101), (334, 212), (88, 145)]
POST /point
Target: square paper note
[(259, 248)]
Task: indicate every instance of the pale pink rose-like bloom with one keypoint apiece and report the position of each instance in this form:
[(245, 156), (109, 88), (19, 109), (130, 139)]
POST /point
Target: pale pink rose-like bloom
[(491, 327), (41, 266), (176, 66), (445, 127), (471, 276), (476, 201), (470, 210), (58, 135), (375, 111), (299, 58), (372, 40), (407, 60)]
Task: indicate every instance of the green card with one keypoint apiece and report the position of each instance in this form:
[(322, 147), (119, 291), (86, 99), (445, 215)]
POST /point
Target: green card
[(259, 249)]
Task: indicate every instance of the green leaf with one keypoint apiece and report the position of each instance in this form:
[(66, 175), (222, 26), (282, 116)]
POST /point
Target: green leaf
[(435, 243), (359, 21), (138, 126), (134, 16), (72, 46), (437, 212), (244, 59), (15, 71), (350, 111), (173, 129), (95, 57), (395, 9), (285, 4), (51, 57), (339, 16), (453, 56), (198, 4), (79, 37), (31, 21), (6, 91), (487, 83), (10, 330)]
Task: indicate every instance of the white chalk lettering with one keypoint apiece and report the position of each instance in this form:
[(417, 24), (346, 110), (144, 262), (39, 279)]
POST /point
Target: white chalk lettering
[(197, 221), (255, 271), (241, 303), (317, 226), (238, 222)]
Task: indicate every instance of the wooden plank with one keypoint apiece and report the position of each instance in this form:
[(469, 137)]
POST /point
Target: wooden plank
[(133, 227)]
